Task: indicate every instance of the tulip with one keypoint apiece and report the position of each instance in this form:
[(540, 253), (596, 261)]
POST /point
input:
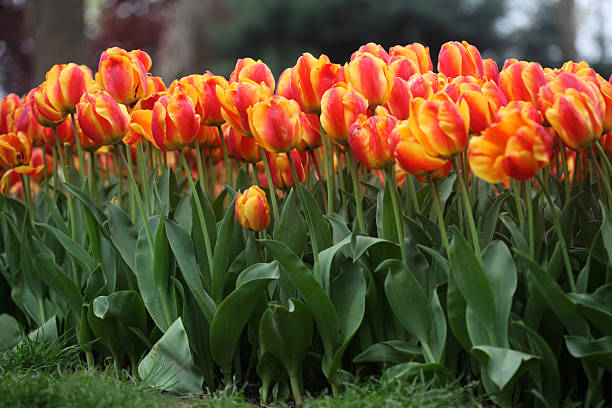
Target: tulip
[(66, 83), (101, 119), (140, 120), (202, 90), (521, 81), (369, 76), (399, 99), (417, 53), (402, 67), (575, 109), (174, 123), (515, 146), (27, 123), (369, 141), (65, 134), (339, 110), (244, 149), (123, 74), (460, 59), (311, 134), (155, 84), (310, 78), (44, 112), (39, 159), (208, 137), (440, 125), (490, 70), (276, 124), (371, 48), (256, 71), (409, 153), (252, 209), (483, 103), (283, 88), (280, 169), (15, 150), (8, 106), (237, 99), (606, 143)]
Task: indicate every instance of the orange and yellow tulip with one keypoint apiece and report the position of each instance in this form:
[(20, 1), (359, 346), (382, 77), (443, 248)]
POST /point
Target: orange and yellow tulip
[(416, 52), (409, 153), (44, 112), (256, 71), (370, 76), (174, 123), (369, 141), (339, 110), (8, 106), (310, 78), (123, 74), (66, 83), (102, 119), (374, 49), (460, 59), (15, 150), (244, 149), (521, 80), (237, 99), (252, 209), (276, 124), (311, 132), (280, 169)]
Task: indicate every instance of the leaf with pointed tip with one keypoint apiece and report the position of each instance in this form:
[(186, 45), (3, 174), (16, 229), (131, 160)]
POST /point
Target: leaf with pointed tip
[(503, 365)]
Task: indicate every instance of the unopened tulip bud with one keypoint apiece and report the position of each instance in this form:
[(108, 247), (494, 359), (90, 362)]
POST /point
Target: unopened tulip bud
[(252, 209), (276, 124)]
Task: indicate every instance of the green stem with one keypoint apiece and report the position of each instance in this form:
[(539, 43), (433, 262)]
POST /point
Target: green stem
[(198, 204), (565, 171), (93, 176), (27, 197), (428, 354), (413, 195), (143, 177), (79, 151), (198, 153), (41, 308), (529, 203), (313, 237), (517, 201), (118, 158), (343, 189), (55, 171), (352, 165), (328, 172), (467, 207), (295, 388), (322, 183), (130, 168), (439, 215), (271, 188), (228, 172), (603, 178), (255, 174), (399, 222), (560, 237)]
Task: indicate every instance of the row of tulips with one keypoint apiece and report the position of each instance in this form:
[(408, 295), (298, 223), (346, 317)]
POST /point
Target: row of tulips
[(423, 220)]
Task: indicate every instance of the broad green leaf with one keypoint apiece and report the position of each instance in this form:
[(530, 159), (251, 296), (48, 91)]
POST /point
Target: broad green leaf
[(503, 365), (491, 219), (389, 352), (46, 332), (385, 220), (169, 365), (456, 308), (597, 351), (322, 231), (286, 333), (472, 281), (311, 291), (126, 305), (96, 282), (123, 234), (384, 249), (235, 311), (74, 249), (10, 331), (292, 228), (549, 381), (229, 244), (184, 253), (326, 258), (595, 309)]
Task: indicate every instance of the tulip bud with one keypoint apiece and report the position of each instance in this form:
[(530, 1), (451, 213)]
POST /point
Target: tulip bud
[(276, 124), (374, 49), (44, 112), (283, 88), (66, 83), (280, 169), (490, 70), (575, 108), (101, 119), (417, 53), (440, 125), (252, 209), (124, 74), (521, 81), (460, 59), (174, 123), (311, 132), (515, 146), (339, 110), (409, 153), (237, 99), (483, 103), (8, 106), (310, 78), (399, 99), (27, 123), (370, 143), (369, 76), (256, 71), (244, 149)]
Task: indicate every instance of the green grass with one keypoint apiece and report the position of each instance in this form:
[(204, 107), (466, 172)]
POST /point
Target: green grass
[(52, 375)]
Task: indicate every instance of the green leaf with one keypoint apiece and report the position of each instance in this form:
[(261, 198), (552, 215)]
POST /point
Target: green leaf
[(384, 249), (169, 365), (606, 231), (503, 365), (229, 244), (500, 271), (123, 234), (472, 281), (595, 309), (96, 282), (326, 258), (489, 224), (126, 305), (389, 352), (315, 297), (286, 333), (46, 332), (184, 253), (557, 301), (385, 220), (322, 230), (10, 331), (235, 311), (74, 249), (292, 228), (550, 381), (597, 351)]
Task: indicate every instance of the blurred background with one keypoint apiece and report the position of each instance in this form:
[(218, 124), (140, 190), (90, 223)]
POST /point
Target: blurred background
[(192, 36)]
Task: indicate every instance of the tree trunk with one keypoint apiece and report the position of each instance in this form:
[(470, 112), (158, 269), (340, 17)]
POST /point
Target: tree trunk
[(566, 24)]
